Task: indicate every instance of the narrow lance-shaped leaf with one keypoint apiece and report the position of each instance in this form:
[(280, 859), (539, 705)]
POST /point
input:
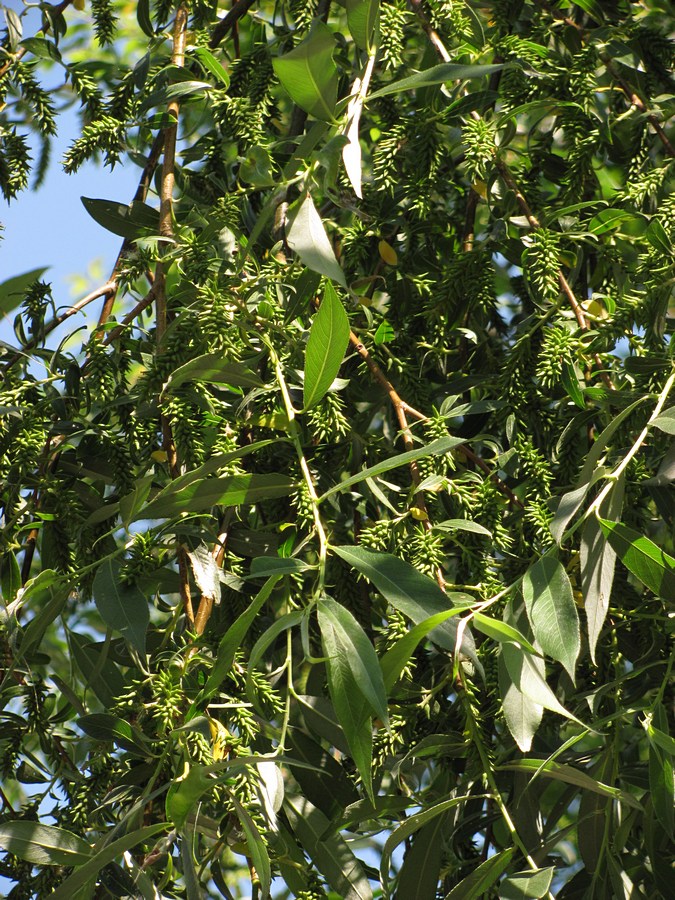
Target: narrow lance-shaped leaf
[(436, 75), (648, 562), (527, 885), (552, 611), (309, 74), (357, 650), (412, 593), (362, 18), (122, 607), (307, 237), (597, 560), (43, 845), (477, 883), (350, 704), (326, 346), (523, 714)]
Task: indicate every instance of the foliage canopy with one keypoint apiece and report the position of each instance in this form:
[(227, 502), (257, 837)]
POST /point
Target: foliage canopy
[(337, 558)]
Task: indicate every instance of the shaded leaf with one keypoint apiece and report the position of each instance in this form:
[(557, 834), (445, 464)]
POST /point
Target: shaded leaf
[(233, 637), (345, 633), (412, 593), (523, 885), (349, 702), (418, 876), (546, 768), (526, 672), (331, 855), (410, 826), (256, 848), (362, 18), (665, 421), (85, 872), (328, 339), (398, 656), (552, 611), (212, 65), (130, 221), (481, 879), (122, 607), (597, 562), (13, 290), (105, 727)]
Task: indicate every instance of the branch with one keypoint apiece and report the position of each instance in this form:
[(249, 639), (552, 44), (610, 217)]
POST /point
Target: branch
[(229, 21), (21, 52), (432, 34)]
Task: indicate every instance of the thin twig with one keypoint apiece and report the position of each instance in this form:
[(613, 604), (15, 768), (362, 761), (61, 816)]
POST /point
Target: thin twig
[(432, 34)]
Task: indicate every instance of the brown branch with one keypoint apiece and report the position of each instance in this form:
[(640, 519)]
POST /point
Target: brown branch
[(229, 21), (21, 52), (139, 197), (130, 316), (432, 34)]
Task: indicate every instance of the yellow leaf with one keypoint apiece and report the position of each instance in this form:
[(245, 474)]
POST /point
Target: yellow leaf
[(387, 253), (220, 739), (79, 4), (159, 456), (419, 514)]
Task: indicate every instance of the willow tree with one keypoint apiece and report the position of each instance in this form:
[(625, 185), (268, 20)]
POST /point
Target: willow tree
[(336, 557)]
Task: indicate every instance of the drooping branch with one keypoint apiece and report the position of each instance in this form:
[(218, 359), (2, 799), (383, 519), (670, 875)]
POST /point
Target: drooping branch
[(21, 52)]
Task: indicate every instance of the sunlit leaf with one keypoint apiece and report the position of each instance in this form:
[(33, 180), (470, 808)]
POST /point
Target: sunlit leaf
[(552, 611), (328, 339), (43, 845), (309, 74), (307, 237), (652, 566)]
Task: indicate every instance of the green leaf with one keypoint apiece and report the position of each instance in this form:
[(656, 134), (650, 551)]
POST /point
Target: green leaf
[(348, 698), (307, 237), (130, 221), (143, 17), (12, 290), (527, 673), (657, 236), (597, 562), (122, 607), (105, 727), (661, 779), (435, 75), (608, 220), (85, 872), (328, 339), (132, 503), (330, 854), (234, 636), (665, 421), (439, 447), (501, 631), (343, 633), (572, 500), (43, 845), (256, 848), (212, 65), (462, 525), (99, 674), (184, 794), (48, 593), (397, 657), (42, 48), (412, 593), (418, 876), (651, 565), (384, 334), (201, 496), (309, 74), (552, 611), (264, 566), (476, 885), (10, 576), (569, 775), (571, 382), (528, 884), (362, 18), (523, 714), (410, 826), (214, 368)]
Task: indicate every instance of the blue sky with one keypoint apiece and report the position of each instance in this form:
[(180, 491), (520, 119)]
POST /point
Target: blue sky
[(50, 226)]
